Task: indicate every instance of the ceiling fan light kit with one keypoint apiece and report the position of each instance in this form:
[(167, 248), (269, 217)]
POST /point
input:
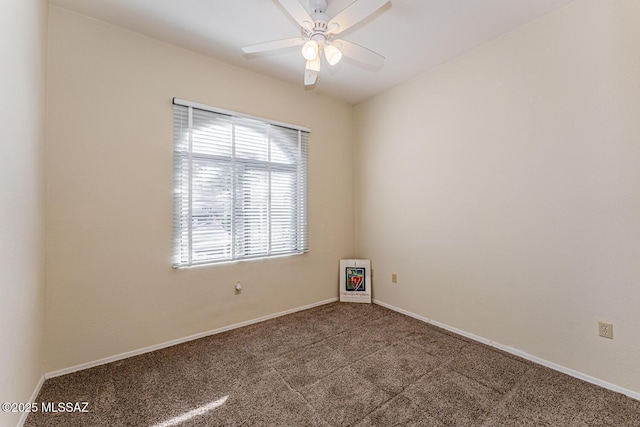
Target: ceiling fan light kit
[(332, 54), (310, 50), (318, 31)]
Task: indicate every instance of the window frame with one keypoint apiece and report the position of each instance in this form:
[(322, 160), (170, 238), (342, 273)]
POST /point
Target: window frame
[(184, 216)]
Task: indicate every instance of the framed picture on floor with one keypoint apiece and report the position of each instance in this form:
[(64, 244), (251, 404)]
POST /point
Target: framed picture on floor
[(355, 280)]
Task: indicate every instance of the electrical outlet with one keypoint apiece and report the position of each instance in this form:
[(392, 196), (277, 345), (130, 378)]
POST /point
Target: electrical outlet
[(394, 278), (605, 330)]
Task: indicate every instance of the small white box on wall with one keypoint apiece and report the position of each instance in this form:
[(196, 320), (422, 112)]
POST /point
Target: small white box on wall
[(355, 280)]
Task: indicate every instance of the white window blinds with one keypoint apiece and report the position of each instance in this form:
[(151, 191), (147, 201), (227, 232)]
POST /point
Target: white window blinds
[(240, 186)]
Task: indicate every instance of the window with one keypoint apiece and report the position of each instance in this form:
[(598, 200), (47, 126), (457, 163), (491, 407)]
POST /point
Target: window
[(240, 186)]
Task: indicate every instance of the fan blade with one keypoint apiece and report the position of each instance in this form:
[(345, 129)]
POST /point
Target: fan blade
[(311, 71), (310, 77), (354, 13), (359, 53), (298, 12), (276, 44)]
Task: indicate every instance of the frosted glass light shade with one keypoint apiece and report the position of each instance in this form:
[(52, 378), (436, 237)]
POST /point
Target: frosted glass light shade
[(332, 54), (310, 50)]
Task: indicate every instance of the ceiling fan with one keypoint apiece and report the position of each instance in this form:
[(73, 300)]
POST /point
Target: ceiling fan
[(318, 35)]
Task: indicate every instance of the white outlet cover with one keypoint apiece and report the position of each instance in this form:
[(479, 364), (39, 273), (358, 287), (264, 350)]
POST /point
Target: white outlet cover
[(605, 330)]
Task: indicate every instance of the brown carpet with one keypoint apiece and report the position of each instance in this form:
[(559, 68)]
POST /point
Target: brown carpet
[(334, 365)]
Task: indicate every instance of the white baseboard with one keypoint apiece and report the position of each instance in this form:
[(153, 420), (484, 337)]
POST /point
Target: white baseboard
[(181, 340), (34, 395), (514, 351)]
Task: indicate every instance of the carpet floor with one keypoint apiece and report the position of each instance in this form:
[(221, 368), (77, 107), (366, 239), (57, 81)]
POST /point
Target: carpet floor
[(334, 365)]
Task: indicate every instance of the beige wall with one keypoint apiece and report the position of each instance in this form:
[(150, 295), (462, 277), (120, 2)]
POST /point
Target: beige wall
[(504, 190), (110, 285), (23, 32)]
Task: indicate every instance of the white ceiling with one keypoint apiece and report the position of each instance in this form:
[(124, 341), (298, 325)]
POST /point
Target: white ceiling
[(413, 35)]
